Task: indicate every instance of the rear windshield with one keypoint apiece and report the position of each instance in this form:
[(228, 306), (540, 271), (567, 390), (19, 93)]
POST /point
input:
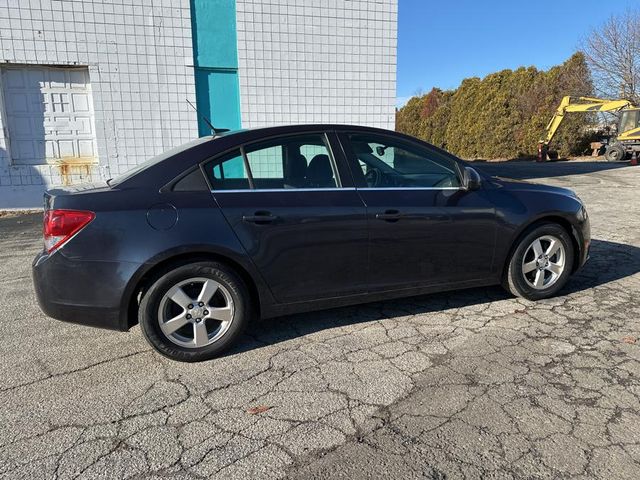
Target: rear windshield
[(155, 160)]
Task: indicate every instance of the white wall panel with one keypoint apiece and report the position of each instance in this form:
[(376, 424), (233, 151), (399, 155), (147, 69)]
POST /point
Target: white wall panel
[(300, 61), (140, 64), (309, 61)]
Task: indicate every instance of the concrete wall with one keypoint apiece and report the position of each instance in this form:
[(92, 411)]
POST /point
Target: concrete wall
[(140, 62), (306, 61)]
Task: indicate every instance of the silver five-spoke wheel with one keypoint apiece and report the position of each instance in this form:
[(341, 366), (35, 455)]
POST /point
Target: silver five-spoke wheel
[(543, 262), (196, 312)]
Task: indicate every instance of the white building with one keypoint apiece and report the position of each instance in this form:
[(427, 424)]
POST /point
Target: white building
[(90, 88)]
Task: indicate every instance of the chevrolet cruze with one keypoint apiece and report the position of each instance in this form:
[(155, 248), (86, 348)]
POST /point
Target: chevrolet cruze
[(199, 242)]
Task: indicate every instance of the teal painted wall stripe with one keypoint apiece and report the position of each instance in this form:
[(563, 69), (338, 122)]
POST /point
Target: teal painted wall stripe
[(213, 25), (215, 55), (218, 99)]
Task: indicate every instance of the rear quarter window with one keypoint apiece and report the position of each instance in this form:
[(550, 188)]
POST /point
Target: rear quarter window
[(192, 182)]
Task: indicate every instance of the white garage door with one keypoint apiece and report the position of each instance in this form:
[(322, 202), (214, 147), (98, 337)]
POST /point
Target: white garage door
[(49, 115)]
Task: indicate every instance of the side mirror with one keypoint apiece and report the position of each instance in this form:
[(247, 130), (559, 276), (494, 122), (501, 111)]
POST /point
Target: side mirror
[(472, 179)]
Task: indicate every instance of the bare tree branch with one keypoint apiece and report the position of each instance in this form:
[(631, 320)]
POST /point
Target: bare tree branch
[(613, 54)]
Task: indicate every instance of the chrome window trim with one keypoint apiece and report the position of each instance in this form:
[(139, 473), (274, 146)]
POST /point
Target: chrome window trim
[(411, 188), (280, 190), (333, 189)]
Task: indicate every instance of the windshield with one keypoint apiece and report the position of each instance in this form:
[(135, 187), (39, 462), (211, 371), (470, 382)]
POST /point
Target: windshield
[(155, 160), (628, 120)]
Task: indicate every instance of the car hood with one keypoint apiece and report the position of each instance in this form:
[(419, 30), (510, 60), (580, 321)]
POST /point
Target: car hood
[(513, 184)]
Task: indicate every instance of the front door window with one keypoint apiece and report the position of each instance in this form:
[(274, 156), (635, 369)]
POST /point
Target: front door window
[(386, 163)]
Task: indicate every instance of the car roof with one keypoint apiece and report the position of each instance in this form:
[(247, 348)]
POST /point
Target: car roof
[(181, 158), (301, 127)]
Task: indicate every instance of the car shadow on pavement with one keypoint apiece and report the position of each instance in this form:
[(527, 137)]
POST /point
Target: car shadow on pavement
[(610, 261), (529, 170)]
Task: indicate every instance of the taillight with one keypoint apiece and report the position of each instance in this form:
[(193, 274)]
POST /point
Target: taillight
[(61, 225)]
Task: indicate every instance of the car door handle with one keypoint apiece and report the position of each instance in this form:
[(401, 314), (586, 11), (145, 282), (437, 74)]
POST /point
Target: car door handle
[(260, 217), (389, 216)]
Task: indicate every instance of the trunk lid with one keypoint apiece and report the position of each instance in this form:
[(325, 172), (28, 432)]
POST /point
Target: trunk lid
[(61, 191)]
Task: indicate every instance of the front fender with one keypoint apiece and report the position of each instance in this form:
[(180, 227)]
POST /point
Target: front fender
[(517, 211)]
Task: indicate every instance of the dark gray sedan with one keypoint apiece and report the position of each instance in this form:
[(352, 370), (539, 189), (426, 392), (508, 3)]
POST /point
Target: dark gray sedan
[(200, 241)]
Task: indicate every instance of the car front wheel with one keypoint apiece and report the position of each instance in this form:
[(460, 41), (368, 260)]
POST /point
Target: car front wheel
[(541, 263), (195, 312)]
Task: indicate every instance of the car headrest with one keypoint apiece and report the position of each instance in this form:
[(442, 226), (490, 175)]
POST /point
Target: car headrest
[(296, 166), (319, 169)]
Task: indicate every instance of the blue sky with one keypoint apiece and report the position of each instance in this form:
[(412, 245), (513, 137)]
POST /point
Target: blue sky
[(441, 42)]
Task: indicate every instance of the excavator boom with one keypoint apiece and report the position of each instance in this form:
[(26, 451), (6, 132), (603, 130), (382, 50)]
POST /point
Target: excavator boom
[(582, 104)]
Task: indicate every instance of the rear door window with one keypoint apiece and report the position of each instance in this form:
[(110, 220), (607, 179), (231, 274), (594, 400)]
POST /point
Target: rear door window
[(292, 162)]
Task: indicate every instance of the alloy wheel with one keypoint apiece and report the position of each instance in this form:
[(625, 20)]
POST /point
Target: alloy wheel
[(543, 262), (196, 312)]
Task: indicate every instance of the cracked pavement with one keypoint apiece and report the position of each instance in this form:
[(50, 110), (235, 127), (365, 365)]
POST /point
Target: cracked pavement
[(468, 384)]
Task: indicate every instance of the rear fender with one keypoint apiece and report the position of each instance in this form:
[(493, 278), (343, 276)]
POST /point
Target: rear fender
[(182, 255)]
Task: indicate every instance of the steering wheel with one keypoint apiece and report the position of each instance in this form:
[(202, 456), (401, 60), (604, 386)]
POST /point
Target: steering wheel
[(373, 177)]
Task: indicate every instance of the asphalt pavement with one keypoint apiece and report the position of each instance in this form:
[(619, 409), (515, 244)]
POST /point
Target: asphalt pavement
[(469, 384)]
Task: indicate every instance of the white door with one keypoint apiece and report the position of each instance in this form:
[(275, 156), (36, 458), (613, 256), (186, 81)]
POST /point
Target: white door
[(49, 115)]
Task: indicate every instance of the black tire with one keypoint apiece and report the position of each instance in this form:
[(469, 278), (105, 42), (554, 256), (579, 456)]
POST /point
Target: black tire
[(614, 153), (515, 280), (148, 314)]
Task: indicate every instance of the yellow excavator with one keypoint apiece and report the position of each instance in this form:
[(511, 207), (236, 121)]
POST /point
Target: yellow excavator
[(627, 141)]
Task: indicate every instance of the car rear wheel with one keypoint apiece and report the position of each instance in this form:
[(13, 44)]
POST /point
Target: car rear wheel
[(195, 312), (541, 263)]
